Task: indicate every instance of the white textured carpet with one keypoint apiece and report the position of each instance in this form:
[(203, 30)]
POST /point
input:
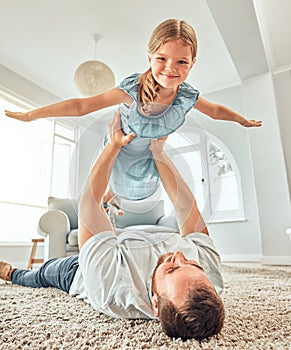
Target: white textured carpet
[(257, 303)]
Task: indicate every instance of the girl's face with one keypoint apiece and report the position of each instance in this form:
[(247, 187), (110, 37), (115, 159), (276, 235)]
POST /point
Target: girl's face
[(171, 63)]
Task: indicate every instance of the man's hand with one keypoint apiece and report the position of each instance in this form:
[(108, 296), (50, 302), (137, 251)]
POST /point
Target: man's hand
[(117, 138)]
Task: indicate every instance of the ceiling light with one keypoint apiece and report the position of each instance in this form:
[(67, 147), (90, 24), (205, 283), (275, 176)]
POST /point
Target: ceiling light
[(93, 77)]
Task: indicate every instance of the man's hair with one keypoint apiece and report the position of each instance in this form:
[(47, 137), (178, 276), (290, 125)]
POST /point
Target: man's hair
[(201, 316)]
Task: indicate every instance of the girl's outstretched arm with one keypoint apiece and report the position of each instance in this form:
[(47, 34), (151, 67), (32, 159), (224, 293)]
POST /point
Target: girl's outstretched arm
[(220, 112), (74, 107)]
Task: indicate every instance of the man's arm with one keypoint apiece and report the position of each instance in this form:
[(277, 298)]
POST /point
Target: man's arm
[(187, 213), (92, 216)]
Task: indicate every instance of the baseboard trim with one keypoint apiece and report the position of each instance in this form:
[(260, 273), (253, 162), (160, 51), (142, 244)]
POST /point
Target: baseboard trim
[(264, 260), (276, 260), (240, 258), (21, 264)]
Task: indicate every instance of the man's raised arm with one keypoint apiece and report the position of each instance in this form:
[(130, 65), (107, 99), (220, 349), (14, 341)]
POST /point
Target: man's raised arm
[(92, 216), (187, 213)]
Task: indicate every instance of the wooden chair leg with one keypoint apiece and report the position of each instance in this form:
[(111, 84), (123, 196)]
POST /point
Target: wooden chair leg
[(32, 260)]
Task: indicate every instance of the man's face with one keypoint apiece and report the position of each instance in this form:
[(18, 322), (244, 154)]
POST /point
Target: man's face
[(174, 275)]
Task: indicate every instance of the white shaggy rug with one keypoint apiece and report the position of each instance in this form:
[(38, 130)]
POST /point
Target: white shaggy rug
[(257, 303)]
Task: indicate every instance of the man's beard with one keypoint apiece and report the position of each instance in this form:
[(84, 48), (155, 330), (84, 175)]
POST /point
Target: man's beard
[(161, 259)]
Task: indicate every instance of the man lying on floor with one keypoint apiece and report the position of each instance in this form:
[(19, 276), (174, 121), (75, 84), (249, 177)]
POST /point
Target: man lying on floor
[(173, 276)]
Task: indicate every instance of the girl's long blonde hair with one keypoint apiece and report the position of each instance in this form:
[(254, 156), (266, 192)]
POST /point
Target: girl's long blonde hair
[(165, 31)]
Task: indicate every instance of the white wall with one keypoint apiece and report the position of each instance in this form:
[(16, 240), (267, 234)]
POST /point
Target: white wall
[(282, 88), (263, 156), (18, 254), (26, 90), (269, 170), (236, 240)]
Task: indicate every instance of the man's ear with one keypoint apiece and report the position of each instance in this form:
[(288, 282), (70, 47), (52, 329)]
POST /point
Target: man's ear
[(155, 305)]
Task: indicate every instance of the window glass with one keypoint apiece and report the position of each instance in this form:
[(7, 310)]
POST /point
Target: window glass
[(25, 153), (35, 164), (224, 180)]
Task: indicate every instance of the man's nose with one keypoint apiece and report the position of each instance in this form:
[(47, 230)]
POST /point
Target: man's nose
[(178, 257)]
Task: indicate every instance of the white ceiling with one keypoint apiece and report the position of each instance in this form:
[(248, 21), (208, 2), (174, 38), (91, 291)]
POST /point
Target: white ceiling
[(45, 41)]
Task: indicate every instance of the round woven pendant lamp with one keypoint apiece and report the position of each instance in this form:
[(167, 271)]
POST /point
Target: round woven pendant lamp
[(94, 77)]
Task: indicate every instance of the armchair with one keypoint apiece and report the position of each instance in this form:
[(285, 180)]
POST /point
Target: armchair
[(59, 225)]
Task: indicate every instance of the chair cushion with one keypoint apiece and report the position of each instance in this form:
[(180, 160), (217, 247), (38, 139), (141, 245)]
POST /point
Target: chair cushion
[(68, 206), (140, 213), (72, 249), (72, 237)]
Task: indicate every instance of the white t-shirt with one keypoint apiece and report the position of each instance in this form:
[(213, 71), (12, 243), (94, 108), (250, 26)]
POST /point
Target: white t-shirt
[(115, 272)]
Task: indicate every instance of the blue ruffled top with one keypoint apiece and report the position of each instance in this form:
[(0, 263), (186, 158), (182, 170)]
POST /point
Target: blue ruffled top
[(155, 126), (134, 174)]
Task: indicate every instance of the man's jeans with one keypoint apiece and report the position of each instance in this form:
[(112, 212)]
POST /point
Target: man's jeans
[(57, 272)]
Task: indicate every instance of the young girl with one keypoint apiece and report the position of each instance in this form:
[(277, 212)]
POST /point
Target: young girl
[(152, 105)]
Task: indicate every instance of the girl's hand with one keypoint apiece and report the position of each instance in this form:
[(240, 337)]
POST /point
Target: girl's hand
[(25, 117), (251, 123), (157, 145)]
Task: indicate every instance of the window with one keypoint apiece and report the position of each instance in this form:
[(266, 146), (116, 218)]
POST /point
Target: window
[(64, 161), (210, 171), (224, 181), (38, 159)]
